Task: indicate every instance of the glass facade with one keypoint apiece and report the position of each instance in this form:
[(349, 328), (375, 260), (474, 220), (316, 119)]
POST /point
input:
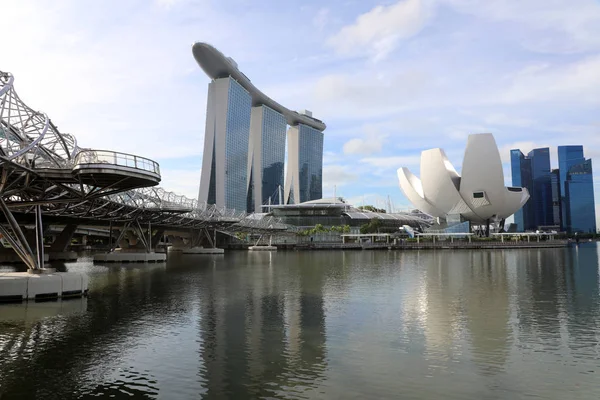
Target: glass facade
[(243, 165), (274, 127), (310, 160), (239, 106), (561, 197), (580, 205), (568, 156), (533, 173), (521, 177), (555, 182), (541, 195)]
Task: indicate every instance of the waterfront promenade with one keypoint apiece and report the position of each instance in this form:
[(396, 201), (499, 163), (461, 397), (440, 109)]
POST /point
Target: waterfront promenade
[(428, 245)]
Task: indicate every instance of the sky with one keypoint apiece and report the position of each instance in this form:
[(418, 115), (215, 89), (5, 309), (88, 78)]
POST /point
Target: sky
[(389, 78)]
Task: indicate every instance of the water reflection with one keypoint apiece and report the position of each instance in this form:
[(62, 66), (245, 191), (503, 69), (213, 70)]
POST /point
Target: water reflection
[(266, 333), (365, 324)]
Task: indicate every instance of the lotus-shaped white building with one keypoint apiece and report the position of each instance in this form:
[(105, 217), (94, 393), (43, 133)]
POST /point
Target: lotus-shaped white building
[(478, 196)]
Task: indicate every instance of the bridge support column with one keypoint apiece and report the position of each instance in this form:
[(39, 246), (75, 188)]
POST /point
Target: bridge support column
[(135, 246), (39, 282), (58, 249), (264, 247), (194, 244), (156, 237)]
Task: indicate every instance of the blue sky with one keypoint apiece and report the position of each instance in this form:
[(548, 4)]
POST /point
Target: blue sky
[(390, 78)]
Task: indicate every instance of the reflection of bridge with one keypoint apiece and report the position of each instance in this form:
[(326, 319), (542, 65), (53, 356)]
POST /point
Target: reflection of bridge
[(45, 173)]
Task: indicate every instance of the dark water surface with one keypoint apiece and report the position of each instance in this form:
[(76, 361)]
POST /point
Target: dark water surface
[(332, 325)]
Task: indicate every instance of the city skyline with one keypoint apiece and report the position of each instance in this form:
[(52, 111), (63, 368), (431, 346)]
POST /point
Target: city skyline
[(561, 198), (391, 78)]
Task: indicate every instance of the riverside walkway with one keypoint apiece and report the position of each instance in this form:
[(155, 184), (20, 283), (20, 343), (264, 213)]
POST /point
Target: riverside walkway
[(443, 245)]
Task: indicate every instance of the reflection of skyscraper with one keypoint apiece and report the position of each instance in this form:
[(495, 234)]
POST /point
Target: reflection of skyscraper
[(584, 297), (304, 180), (487, 310), (261, 332), (540, 293)]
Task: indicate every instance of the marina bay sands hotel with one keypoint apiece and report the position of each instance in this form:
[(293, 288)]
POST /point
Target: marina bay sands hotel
[(244, 143)]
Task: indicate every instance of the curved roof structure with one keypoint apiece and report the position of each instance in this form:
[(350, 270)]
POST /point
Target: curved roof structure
[(478, 195), (217, 65)]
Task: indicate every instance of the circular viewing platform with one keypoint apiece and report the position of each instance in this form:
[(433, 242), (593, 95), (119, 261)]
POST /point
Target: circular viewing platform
[(118, 170)]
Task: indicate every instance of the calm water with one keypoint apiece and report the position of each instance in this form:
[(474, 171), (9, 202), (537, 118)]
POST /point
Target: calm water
[(332, 325)]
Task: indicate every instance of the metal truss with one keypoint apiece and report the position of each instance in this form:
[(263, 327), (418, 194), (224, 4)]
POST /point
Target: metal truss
[(40, 172), (28, 136)]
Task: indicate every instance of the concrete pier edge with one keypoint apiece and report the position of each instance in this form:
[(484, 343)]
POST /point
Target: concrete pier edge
[(126, 257), (47, 285)]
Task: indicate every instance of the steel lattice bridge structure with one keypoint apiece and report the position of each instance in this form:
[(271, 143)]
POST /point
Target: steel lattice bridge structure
[(45, 173)]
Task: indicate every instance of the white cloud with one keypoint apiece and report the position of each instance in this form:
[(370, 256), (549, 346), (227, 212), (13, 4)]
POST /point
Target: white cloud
[(338, 175), (372, 143), (394, 162), (181, 181), (167, 3), (331, 157), (117, 87), (321, 18), (504, 119), (364, 94), (461, 132), (578, 81), (379, 31), (559, 26)]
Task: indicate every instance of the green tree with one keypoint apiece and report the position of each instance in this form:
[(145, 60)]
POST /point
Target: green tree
[(371, 227), (372, 209)]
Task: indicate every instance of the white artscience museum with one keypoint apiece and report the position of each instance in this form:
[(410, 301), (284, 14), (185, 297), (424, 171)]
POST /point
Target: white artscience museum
[(478, 195)]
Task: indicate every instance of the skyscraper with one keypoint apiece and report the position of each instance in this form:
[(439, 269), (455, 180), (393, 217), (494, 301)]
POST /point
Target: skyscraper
[(555, 183), (266, 157), (541, 197), (304, 179), (577, 190), (561, 197), (533, 172), (568, 156), (225, 161), (521, 177), (244, 143)]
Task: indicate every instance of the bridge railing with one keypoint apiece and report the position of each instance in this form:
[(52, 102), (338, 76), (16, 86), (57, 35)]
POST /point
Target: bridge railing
[(88, 156)]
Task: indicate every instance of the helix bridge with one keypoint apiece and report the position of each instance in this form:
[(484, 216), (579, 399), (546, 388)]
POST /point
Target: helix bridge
[(44, 173)]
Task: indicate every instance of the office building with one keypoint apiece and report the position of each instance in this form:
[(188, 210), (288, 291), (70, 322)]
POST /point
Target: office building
[(266, 157), (533, 172), (577, 190), (541, 196), (304, 179), (555, 188), (244, 145), (521, 177), (561, 198), (224, 165)]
